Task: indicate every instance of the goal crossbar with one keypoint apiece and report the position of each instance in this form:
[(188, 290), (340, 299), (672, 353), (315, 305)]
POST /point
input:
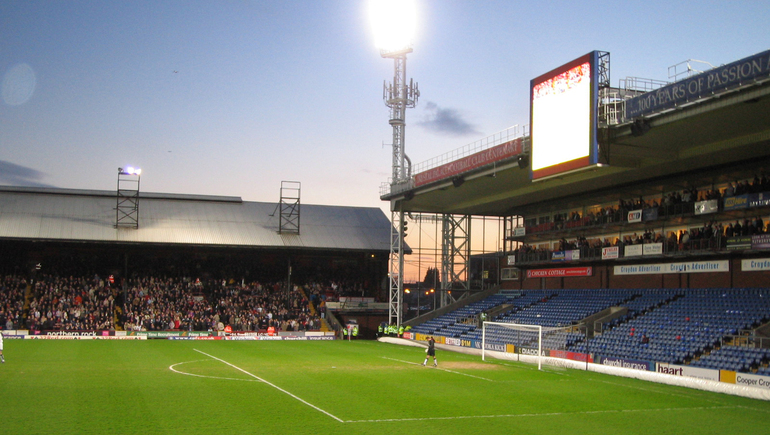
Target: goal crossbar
[(529, 334)]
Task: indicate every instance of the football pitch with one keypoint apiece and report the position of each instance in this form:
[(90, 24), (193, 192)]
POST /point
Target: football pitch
[(359, 387)]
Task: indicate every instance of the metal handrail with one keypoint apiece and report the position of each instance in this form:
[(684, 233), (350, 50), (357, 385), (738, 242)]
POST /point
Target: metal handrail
[(509, 134)]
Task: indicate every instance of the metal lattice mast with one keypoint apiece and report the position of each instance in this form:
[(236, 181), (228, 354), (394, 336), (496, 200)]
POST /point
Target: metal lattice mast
[(396, 267), (398, 96), (290, 207), (455, 253), (127, 209)]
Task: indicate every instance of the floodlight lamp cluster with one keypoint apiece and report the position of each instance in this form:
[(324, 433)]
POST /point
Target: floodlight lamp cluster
[(394, 24), (389, 53), (129, 170)]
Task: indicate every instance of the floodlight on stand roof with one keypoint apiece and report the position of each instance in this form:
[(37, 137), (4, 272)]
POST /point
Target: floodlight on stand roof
[(127, 209), (129, 170)]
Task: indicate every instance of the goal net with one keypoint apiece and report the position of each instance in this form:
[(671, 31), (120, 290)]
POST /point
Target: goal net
[(532, 341)]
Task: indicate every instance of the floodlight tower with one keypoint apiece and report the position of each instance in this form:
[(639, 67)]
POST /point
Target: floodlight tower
[(394, 22), (127, 210), (399, 96)]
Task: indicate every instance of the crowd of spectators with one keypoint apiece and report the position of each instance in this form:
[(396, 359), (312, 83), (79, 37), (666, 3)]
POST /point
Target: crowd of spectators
[(670, 204), (62, 303), (185, 304), (760, 183), (71, 303), (151, 304), (12, 291), (710, 235)]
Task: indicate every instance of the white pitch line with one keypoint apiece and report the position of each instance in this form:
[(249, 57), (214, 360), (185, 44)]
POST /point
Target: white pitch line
[(439, 368), (459, 417), (171, 367), (525, 366), (753, 409), (272, 385), (691, 394), (546, 414)]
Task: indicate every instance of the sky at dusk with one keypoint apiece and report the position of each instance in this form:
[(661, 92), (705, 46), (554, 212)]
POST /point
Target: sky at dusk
[(233, 97)]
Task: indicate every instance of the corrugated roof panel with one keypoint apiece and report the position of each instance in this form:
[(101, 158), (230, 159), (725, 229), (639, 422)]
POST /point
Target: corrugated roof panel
[(65, 214)]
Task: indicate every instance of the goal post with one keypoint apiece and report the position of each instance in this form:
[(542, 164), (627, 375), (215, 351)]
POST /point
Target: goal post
[(528, 340), (490, 331)]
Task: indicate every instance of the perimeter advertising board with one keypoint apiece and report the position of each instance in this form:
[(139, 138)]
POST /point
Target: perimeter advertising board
[(571, 255), (561, 272), (692, 372), (643, 249), (686, 267), (627, 363), (610, 252), (760, 241), (574, 356), (634, 216), (736, 202), (713, 82), (749, 380), (707, 207), (497, 153), (755, 264), (632, 250)]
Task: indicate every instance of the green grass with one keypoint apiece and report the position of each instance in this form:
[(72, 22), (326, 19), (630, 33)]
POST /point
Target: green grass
[(363, 387)]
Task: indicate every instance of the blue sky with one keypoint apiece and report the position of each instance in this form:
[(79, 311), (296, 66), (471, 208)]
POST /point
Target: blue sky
[(232, 97)]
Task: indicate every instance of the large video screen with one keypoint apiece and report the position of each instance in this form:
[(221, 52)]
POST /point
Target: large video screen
[(563, 118)]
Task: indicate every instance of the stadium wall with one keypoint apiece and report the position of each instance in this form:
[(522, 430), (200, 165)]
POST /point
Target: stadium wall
[(672, 281), (593, 281), (603, 276), (748, 279), (633, 281)]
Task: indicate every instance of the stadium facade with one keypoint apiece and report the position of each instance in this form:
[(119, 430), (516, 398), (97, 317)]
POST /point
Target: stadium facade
[(635, 228), (661, 159)]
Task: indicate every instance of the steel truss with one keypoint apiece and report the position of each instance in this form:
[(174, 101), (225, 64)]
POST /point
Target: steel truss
[(127, 210), (455, 255), (289, 219), (396, 266)]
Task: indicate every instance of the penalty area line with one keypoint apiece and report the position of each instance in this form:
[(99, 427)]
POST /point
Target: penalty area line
[(439, 368), (273, 385), (545, 414)]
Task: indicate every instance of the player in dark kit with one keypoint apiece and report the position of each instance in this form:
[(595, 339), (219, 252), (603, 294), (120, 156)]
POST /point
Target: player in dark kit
[(431, 350)]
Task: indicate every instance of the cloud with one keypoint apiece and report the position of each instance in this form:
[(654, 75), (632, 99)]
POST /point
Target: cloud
[(16, 175), (446, 121)]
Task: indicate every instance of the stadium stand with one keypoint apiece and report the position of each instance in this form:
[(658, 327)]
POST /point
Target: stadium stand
[(68, 303), (680, 326), (709, 235)]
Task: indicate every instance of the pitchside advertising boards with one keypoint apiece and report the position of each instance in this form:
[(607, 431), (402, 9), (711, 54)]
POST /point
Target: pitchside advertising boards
[(725, 376), (170, 335)]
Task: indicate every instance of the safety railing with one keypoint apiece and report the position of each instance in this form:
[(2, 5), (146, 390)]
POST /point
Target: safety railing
[(509, 134)]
